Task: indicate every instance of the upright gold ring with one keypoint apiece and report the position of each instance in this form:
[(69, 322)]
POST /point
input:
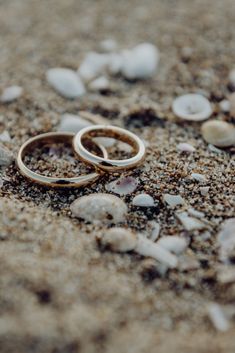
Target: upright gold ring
[(52, 137), (118, 133)]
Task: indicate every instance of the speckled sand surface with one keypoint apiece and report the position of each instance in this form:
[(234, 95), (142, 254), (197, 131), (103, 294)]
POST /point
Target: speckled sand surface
[(58, 291)]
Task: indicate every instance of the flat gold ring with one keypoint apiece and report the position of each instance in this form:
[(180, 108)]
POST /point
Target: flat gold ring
[(52, 137), (113, 132)]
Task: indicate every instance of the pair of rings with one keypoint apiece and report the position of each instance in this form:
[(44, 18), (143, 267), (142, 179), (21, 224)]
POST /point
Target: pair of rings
[(80, 143)]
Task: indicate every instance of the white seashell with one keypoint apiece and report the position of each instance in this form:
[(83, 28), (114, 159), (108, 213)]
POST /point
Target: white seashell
[(146, 247), (5, 136), (204, 190), (99, 84), (225, 105), (6, 156), (219, 133), (66, 82), (189, 223), (100, 207), (185, 147), (192, 107), (11, 93), (119, 239), (141, 62), (155, 230), (232, 103), (226, 239), (173, 244), (72, 123), (198, 177), (231, 77), (108, 45), (93, 65), (218, 317), (173, 200), (143, 200), (123, 185)]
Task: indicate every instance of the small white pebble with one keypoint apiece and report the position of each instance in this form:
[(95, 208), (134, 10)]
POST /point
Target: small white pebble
[(185, 147), (198, 177), (94, 65), (189, 223), (115, 63), (173, 243), (193, 107), (11, 93), (225, 105), (66, 82), (196, 213), (204, 190), (155, 230), (96, 208), (140, 62), (218, 317), (173, 200), (123, 185), (146, 247), (6, 156), (99, 84), (218, 133), (5, 136), (119, 239), (143, 200)]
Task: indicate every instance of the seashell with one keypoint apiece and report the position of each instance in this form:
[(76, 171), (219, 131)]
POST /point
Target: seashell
[(140, 62), (100, 207), (108, 45), (6, 156), (219, 133), (146, 247), (119, 239), (189, 223), (217, 317), (123, 185), (198, 177), (185, 147), (232, 103), (93, 65), (143, 200), (66, 82), (225, 105), (192, 107), (72, 123), (173, 200), (11, 93), (99, 84), (173, 244)]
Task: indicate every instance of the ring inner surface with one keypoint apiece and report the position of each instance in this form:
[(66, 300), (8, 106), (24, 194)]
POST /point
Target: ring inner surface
[(119, 136), (53, 156)]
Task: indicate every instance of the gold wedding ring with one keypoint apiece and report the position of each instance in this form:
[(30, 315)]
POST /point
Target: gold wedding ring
[(117, 133), (50, 138)]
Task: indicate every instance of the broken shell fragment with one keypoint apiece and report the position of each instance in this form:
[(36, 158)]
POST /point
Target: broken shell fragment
[(219, 133), (173, 244), (123, 185), (119, 239), (100, 207), (192, 107), (143, 200)]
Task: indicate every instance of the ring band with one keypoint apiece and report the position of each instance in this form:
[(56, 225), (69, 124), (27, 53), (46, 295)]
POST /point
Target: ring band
[(53, 137), (113, 132)]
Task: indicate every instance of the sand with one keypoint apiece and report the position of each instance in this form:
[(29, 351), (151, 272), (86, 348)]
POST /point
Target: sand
[(59, 292)]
